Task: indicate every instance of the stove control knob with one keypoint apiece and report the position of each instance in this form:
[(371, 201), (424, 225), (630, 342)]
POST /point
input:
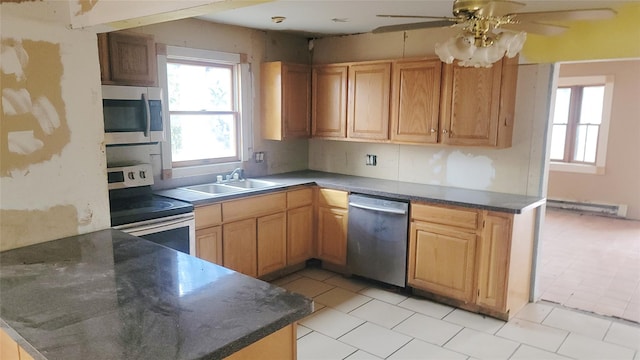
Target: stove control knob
[(131, 175), (143, 175)]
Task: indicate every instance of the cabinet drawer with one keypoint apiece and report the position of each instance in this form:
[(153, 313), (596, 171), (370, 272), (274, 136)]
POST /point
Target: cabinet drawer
[(458, 217), (297, 198), (253, 206), (208, 215), (333, 198)]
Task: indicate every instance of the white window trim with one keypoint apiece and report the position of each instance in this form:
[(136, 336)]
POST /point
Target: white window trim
[(245, 109), (603, 137)]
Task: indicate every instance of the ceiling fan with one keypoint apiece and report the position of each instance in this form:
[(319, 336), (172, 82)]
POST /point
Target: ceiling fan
[(493, 28)]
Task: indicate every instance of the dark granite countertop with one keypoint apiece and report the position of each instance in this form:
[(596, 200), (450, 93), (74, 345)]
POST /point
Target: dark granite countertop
[(477, 199), (109, 295)]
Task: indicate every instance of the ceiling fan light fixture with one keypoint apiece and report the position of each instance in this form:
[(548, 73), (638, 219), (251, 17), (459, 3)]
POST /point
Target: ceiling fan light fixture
[(463, 48)]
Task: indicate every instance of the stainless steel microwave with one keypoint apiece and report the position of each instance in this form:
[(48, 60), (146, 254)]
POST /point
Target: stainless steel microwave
[(132, 114)]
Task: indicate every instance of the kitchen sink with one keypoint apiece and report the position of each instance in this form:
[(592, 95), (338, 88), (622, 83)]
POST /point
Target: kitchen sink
[(250, 184), (214, 189), (234, 186)]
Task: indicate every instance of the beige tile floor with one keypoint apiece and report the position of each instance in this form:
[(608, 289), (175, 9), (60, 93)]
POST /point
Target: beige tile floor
[(354, 319), (591, 263)]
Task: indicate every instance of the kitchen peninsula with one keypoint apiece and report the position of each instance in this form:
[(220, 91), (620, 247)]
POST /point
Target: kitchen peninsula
[(109, 295)]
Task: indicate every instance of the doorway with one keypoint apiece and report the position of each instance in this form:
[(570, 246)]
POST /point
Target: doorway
[(592, 262)]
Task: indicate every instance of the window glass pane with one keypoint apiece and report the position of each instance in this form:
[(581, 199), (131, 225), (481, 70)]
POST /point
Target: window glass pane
[(591, 107), (581, 140), (591, 145), (561, 112), (558, 136), (199, 87), (196, 137)]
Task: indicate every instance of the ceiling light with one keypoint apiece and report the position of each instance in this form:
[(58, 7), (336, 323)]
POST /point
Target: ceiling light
[(278, 19), (481, 44)]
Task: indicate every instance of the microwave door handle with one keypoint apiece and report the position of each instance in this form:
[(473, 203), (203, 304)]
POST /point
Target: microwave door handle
[(147, 112)]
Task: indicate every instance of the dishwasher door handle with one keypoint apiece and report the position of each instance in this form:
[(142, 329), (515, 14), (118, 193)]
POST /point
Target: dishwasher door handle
[(373, 208)]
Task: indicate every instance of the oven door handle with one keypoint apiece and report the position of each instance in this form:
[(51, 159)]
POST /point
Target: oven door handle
[(155, 224)]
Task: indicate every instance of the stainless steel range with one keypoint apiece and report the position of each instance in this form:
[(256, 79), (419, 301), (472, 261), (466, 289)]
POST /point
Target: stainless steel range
[(137, 211)]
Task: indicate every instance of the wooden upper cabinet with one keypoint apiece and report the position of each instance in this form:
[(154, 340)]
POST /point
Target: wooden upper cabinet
[(368, 101), (329, 101), (285, 91), (478, 104), (127, 59), (415, 101)]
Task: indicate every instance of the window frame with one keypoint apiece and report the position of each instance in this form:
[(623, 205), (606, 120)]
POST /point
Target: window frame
[(601, 149), (242, 100)]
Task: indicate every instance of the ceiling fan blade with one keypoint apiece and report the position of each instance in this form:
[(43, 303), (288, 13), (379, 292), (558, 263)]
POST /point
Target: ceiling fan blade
[(413, 26), (536, 28), (417, 17), (499, 7), (566, 15)]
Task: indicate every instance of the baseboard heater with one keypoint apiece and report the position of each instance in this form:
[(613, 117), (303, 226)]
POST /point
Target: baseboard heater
[(617, 210)]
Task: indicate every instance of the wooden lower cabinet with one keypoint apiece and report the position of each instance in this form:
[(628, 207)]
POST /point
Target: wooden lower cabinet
[(442, 260), (272, 243), (258, 235), (10, 350), (299, 234), (331, 222), (280, 345), (478, 260), (493, 257), (239, 246), (332, 235), (209, 244)]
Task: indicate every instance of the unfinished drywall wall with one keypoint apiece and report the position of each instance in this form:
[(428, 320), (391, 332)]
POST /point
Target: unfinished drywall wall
[(621, 179), (53, 179), (515, 170)]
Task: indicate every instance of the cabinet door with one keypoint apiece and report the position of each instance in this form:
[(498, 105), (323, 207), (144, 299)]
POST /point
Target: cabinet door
[(209, 244), (132, 58), (332, 235), (239, 248), (441, 260), (368, 102), (493, 258), (8, 347), (415, 103), (272, 243), (299, 234), (470, 105), (329, 104), (296, 98)]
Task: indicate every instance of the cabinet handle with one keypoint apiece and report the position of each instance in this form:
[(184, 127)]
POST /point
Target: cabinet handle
[(433, 130), (444, 131)]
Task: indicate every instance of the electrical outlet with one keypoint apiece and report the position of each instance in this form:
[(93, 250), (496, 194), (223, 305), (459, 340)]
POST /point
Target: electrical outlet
[(371, 160), (258, 156)]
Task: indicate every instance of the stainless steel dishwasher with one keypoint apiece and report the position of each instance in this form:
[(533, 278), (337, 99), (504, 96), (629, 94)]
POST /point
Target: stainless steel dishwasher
[(377, 239)]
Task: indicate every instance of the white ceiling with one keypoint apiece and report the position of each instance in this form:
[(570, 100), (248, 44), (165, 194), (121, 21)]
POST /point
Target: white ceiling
[(318, 18)]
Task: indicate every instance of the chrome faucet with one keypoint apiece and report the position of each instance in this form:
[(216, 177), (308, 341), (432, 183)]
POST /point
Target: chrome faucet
[(239, 171)]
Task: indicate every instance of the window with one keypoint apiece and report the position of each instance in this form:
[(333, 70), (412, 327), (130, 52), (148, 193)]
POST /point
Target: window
[(208, 108), (202, 112), (580, 124)]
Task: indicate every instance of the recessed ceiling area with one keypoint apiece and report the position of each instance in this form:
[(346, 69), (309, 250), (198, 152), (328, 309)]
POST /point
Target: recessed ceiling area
[(320, 18)]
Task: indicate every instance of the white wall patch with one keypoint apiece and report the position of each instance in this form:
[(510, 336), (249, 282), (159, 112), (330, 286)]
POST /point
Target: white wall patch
[(469, 171)]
